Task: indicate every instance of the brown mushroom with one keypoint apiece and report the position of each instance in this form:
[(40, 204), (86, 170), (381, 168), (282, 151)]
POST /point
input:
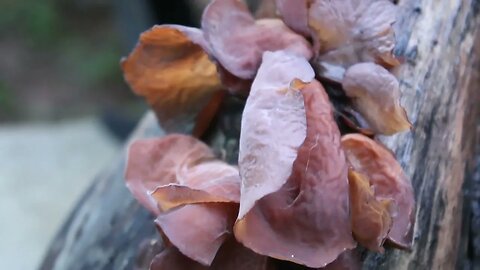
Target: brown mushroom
[(198, 230), (303, 218), (237, 41), (295, 15), (172, 259), (170, 68), (375, 94), (346, 32), (161, 162), (273, 127), (208, 181), (179, 179), (371, 220), (387, 178), (231, 256)]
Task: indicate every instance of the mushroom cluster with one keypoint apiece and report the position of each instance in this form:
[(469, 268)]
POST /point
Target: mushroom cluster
[(312, 183)]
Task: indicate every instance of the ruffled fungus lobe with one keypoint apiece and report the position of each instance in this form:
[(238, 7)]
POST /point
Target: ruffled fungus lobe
[(170, 68), (306, 193), (295, 14), (371, 220), (237, 41), (208, 181), (231, 256), (234, 256), (178, 179), (294, 200), (389, 181), (273, 127), (375, 93), (198, 230), (348, 260), (172, 259), (346, 32), (154, 163)]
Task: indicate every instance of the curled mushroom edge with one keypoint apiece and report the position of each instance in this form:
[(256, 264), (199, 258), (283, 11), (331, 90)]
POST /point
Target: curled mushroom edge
[(171, 70), (389, 181), (375, 94), (179, 180), (287, 203)]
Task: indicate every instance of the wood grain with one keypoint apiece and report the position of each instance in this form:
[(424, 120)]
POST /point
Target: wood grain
[(440, 92)]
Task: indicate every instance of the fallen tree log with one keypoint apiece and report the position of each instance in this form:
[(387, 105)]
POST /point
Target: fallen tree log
[(440, 42)]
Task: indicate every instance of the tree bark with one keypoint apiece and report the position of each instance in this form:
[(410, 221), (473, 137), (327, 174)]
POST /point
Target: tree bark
[(440, 81)]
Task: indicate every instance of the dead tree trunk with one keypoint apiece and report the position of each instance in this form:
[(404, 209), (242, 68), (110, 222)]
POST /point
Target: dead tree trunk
[(440, 42)]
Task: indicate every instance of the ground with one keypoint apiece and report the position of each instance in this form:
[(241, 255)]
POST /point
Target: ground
[(45, 168)]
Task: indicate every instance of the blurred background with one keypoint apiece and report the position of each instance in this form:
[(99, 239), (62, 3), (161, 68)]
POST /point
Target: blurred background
[(64, 107)]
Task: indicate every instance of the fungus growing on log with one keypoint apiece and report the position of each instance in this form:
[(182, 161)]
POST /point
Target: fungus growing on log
[(304, 218), (237, 41), (295, 14), (375, 94), (231, 256), (180, 181), (170, 68), (302, 192), (389, 181), (371, 219), (346, 32), (273, 127)]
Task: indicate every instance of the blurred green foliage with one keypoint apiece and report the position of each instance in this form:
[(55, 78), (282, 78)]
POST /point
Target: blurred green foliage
[(6, 99), (45, 26), (37, 21), (104, 66), (71, 49), (40, 24), (93, 63)]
